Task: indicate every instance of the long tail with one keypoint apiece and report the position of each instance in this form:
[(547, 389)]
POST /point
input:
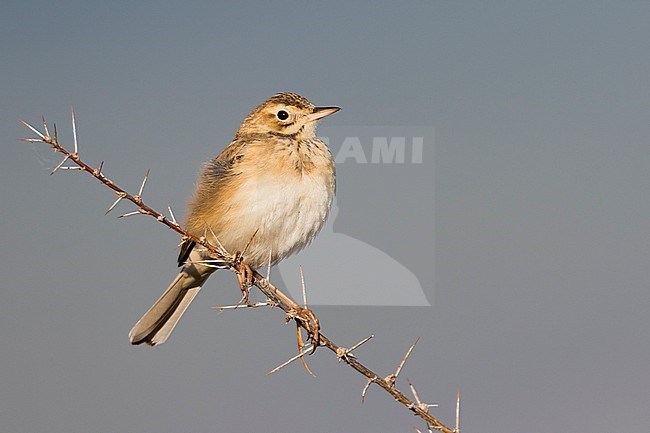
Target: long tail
[(158, 323)]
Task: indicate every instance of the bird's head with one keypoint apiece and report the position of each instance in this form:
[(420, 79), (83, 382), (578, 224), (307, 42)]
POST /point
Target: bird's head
[(285, 114)]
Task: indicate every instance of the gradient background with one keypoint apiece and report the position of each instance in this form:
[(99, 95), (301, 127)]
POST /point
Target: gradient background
[(542, 235)]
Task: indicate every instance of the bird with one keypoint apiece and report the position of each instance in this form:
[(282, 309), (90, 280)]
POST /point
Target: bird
[(265, 196)]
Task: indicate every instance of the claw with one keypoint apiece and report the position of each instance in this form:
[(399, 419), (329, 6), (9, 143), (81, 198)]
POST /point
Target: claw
[(301, 345)]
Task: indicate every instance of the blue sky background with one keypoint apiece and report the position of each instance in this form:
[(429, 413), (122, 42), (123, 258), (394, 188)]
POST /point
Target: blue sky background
[(539, 213)]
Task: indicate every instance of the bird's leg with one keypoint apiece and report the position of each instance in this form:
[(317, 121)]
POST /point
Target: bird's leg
[(244, 277)]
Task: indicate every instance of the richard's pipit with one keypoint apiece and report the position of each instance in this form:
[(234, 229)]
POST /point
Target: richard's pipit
[(266, 195)]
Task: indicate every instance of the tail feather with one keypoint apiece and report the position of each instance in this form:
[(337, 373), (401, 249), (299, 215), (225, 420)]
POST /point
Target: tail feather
[(158, 323), (163, 333)]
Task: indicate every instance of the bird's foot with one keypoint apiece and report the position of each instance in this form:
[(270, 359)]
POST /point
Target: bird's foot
[(309, 319), (244, 278)]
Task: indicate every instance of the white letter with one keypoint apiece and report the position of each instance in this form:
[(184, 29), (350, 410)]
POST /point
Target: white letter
[(351, 148), (388, 153)]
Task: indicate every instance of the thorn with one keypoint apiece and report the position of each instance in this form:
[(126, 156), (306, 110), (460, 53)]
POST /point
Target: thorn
[(135, 212), (268, 268), (74, 131), (360, 343), (344, 353), (365, 388), (144, 182), (36, 131), (56, 135), (237, 306), (98, 171), (47, 133), (304, 290), (73, 167), (31, 140), (393, 377), (424, 406), (414, 392), (305, 350), (249, 243), (60, 164), (171, 213), (220, 247), (457, 428), (210, 263), (120, 196), (240, 305)]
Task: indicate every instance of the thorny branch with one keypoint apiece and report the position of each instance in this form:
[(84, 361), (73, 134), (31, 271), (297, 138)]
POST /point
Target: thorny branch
[(275, 297)]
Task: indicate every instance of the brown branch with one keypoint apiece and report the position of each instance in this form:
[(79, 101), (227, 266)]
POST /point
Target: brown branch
[(275, 296)]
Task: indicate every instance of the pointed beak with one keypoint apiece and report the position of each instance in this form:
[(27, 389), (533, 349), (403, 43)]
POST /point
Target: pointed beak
[(320, 112)]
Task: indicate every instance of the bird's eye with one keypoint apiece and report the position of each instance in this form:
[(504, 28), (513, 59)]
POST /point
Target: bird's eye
[(282, 115)]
